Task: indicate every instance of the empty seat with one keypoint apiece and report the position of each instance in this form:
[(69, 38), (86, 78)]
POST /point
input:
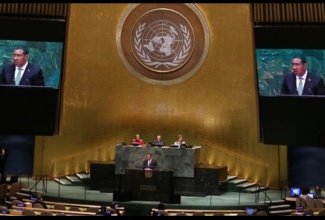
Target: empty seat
[(321, 212), (38, 205), (308, 212), (59, 207), (60, 214), (198, 214), (17, 202), (4, 209), (74, 208), (319, 203), (301, 202), (261, 213), (218, 214), (14, 188), (92, 209), (28, 212), (46, 213), (310, 203)]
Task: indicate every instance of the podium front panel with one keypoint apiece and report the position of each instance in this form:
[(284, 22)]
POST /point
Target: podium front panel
[(147, 185)]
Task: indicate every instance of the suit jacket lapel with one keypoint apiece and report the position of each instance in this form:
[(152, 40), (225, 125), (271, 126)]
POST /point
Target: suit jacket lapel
[(26, 75), (307, 85), (12, 74), (294, 81)]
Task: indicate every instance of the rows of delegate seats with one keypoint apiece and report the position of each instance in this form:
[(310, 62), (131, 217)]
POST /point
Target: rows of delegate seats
[(16, 202), (197, 212)]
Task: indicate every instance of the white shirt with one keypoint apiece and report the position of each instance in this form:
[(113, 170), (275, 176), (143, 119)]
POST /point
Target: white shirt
[(22, 70), (303, 79), (179, 143)]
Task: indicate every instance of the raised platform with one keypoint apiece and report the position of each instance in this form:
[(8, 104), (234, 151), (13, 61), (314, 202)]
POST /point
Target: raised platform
[(206, 181)]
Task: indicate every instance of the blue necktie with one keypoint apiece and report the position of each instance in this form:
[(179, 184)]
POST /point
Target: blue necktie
[(300, 86), (18, 77)]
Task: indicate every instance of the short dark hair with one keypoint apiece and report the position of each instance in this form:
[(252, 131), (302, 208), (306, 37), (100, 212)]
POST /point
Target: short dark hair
[(301, 57), (114, 205), (161, 206), (23, 48), (102, 209)]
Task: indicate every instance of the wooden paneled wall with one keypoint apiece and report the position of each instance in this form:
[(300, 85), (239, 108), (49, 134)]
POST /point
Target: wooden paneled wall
[(261, 12), (35, 9), (288, 12)]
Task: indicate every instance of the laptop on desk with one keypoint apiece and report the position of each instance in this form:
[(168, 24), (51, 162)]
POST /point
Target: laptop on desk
[(135, 144), (174, 146), (158, 144), (150, 144)]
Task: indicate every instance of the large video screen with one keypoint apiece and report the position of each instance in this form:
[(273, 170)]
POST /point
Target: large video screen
[(274, 64), (286, 115), (45, 40), (46, 55)]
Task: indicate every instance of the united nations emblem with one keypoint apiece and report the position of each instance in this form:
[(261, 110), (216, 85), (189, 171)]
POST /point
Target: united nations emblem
[(148, 173), (163, 44), (157, 42)]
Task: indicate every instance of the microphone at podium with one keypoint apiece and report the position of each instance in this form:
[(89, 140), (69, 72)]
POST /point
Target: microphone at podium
[(153, 168)]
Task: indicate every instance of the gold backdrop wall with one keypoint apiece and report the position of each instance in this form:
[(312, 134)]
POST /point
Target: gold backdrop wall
[(103, 103)]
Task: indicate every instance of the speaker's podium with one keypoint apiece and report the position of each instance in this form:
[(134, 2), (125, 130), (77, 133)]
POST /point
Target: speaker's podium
[(150, 185)]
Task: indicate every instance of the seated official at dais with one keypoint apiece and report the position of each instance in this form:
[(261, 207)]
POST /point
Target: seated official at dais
[(158, 142)]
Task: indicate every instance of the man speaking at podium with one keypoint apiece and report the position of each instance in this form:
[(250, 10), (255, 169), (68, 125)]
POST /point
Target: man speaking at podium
[(149, 163), (21, 72), (301, 81)]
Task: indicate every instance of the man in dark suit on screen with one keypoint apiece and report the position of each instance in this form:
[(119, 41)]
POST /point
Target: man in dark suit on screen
[(21, 72), (301, 81), (149, 163)]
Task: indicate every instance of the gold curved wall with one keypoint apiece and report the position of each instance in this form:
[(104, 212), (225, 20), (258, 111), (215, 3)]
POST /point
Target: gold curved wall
[(103, 103)]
